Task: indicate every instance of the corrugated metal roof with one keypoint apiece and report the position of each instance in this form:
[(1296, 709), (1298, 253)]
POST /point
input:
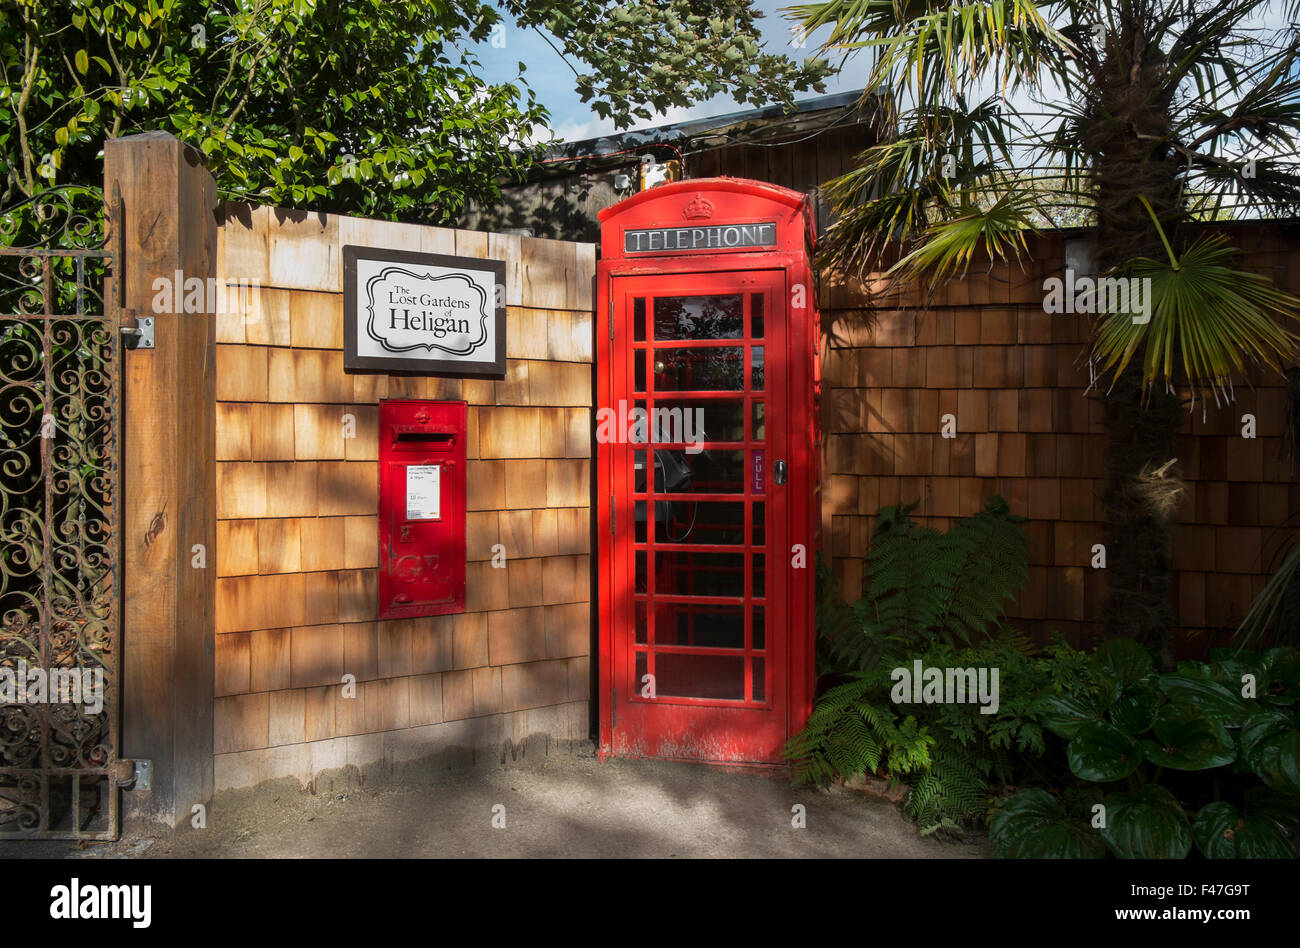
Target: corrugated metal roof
[(770, 123)]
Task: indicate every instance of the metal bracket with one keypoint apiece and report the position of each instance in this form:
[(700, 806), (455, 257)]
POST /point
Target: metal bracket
[(134, 774), (139, 336)]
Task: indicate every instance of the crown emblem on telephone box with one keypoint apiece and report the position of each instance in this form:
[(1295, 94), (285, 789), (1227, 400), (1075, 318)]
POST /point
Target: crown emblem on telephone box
[(698, 207)]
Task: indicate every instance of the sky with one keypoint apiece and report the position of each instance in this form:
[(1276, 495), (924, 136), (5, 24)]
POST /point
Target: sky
[(552, 80), (571, 120)]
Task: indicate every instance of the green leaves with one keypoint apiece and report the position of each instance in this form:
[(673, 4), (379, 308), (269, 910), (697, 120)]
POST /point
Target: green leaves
[(1188, 738), (276, 94), (1270, 745), (1209, 321), (1221, 832), (1135, 708), (1147, 824), (1122, 663), (1214, 699), (1034, 824), (926, 50), (950, 587), (1102, 752), (998, 228), (1064, 714), (687, 57)]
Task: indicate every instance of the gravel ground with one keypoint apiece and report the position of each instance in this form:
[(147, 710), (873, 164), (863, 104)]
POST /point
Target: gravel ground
[(559, 804)]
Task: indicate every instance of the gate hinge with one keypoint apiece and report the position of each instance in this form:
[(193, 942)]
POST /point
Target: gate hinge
[(133, 774), (139, 336)]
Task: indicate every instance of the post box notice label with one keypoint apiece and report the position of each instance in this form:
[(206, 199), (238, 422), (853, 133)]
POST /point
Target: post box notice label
[(423, 492)]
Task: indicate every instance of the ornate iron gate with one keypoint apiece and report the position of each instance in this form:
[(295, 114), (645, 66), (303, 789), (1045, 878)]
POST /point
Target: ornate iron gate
[(60, 563)]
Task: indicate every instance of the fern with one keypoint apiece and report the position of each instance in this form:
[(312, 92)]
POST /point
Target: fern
[(941, 597), (924, 586), (955, 786), (849, 732)]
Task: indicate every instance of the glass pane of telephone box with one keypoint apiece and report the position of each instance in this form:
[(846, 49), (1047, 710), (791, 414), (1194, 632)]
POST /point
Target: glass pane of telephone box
[(698, 317), (705, 522), (677, 471), (704, 369), (720, 677), (702, 625), (682, 573), (695, 422), (638, 319)]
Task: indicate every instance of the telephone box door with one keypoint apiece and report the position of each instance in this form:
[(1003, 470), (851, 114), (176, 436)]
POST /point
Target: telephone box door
[(699, 381)]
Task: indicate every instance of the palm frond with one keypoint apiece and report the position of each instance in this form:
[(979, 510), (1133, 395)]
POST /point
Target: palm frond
[(1274, 616), (1208, 320), (1000, 230), (932, 49), (897, 187)]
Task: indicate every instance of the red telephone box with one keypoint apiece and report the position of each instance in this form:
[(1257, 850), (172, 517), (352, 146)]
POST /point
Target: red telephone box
[(707, 466), (421, 508)]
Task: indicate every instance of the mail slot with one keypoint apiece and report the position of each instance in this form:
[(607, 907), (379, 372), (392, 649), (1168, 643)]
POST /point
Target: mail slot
[(421, 508)]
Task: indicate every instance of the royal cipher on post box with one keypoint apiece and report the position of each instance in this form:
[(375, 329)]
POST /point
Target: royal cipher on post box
[(421, 508), (708, 508)]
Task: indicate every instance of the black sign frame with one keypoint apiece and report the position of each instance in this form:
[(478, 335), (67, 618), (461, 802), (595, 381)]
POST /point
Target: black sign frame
[(354, 364)]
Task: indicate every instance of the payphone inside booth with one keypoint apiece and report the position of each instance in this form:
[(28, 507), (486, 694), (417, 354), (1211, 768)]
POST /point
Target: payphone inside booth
[(707, 470)]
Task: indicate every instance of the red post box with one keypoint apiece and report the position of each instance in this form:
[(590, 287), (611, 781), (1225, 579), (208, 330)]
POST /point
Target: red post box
[(421, 508), (709, 517)]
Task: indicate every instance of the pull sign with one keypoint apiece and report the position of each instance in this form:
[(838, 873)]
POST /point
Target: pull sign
[(758, 470), (423, 492)]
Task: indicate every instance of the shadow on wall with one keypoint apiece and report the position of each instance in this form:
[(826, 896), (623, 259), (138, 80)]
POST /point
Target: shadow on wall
[(563, 209)]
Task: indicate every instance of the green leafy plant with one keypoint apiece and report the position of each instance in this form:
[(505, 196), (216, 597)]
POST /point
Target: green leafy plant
[(933, 597), (924, 586), (1207, 755), (1274, 616), (382, 108)]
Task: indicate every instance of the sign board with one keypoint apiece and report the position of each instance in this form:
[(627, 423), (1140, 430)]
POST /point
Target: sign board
[(704, 237), (421, 312), (423, 492)]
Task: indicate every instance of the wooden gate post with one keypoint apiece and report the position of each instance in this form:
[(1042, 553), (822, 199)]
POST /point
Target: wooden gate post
[(168, 472)]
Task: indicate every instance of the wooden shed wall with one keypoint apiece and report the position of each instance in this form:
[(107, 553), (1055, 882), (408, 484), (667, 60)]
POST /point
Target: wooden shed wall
[(297, 549), (1015, 377)]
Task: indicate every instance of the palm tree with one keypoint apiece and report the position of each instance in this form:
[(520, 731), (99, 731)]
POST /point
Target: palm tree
[(1155, 116)]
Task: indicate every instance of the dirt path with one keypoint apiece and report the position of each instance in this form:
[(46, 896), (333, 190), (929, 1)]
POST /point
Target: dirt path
[(561, 805)]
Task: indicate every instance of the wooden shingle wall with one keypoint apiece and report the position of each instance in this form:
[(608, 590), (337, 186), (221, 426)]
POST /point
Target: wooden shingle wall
[(297, 506), (1014, 377)]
